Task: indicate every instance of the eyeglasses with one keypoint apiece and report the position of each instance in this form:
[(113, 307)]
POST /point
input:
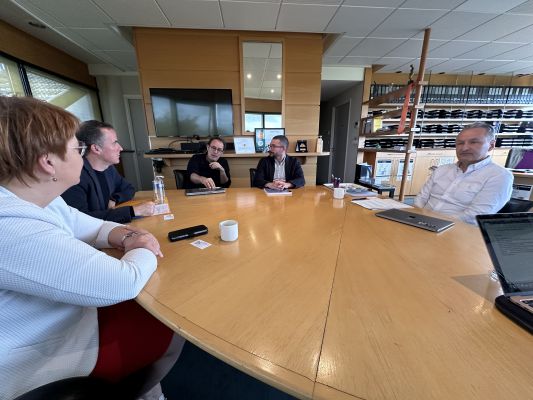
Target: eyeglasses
[(82, 148), (275, 146), (216, 149)]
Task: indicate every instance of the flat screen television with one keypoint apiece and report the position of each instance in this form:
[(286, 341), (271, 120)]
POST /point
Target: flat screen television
[(192, 112)]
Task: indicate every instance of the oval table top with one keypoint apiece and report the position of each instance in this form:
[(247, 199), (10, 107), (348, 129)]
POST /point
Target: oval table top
[(322, 299)]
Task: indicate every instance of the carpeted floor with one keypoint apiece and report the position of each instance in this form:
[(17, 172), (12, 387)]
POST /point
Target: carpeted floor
[(198, 375)]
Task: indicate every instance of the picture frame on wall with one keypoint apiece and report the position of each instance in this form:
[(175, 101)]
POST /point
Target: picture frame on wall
[(263, 137), (244, 145)]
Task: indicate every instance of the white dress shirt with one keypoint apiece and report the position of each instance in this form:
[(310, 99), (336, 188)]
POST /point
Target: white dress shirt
[(484, 188), (279, 169)]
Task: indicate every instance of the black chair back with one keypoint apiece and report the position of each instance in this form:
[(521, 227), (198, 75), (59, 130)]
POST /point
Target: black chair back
[(516, 205), (181, 177), (252, 176)]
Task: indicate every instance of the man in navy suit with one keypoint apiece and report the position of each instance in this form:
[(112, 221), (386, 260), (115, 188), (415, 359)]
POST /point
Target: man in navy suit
[(279, 171), (101, 188)]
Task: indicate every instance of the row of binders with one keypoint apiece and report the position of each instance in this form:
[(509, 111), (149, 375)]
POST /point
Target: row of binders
[(467, 114), (464, 94), (524, 127), (442, 143)]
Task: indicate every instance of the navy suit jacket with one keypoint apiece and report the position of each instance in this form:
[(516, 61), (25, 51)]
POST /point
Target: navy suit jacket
[(265, 172), (87, 195)]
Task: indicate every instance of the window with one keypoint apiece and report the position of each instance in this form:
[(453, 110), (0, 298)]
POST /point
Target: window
[(10, 82), (261, 120), (77, 99)]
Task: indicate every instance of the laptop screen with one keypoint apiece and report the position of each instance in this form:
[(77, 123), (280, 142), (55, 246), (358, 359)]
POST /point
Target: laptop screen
[(509, 240)]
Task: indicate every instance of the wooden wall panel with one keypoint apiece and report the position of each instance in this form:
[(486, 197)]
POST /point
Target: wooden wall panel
[(303, 55), (301, 120), (171, 49), (262, 105), (211, 59), (34, 51), (302, 88)]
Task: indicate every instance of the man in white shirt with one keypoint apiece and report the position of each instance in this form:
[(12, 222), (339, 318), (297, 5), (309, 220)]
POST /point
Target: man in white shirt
[(474, 185)]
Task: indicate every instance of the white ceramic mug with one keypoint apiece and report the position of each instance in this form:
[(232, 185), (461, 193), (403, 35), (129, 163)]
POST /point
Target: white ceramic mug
[(229, 230), (338, 193)]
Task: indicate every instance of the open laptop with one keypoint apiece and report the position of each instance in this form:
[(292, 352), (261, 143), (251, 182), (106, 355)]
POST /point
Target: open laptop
[(202, 191), (509, 240), (418, 220)]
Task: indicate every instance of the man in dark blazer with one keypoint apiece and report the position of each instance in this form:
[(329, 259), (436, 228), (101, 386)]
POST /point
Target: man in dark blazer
[(101, 187), (279, 171)]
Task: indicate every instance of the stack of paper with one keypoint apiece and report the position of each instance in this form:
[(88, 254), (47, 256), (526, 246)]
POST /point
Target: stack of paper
[(380, 204)]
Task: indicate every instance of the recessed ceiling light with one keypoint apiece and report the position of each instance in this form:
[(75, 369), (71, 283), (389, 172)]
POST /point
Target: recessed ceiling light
[(249, 76), (36, 24), (278, 76), (271, 90)]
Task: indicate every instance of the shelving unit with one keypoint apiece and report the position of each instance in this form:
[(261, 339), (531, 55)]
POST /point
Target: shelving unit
[(435, 141), (411, 91)]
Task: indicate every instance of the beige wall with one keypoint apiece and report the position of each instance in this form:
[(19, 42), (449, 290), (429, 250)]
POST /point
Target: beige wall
[(34, 51), (182, 58), (262, 105)]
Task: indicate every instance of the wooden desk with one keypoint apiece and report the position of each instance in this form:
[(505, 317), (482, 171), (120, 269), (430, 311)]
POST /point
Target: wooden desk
[(321, 299)]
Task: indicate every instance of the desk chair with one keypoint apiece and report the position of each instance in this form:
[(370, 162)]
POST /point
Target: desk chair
[(519, 158), (516, 205), (78, 388), (182, 178), (252, 176)]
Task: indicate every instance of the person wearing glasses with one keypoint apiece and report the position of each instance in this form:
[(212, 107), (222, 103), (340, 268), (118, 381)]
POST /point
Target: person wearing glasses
[(66, 306), (210, 169), (101, 188), (279, 171)]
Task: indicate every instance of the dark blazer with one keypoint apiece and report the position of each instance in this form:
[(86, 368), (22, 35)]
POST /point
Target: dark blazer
[(87, 195), (265, 172)]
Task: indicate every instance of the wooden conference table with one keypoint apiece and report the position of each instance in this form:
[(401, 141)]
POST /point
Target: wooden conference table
[(322, 299)]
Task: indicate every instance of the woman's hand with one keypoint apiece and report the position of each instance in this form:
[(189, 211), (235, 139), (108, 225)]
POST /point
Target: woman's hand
[(130, 237)]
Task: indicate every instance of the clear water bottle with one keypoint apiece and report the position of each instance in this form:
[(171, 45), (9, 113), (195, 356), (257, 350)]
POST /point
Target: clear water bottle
[(159, 190)]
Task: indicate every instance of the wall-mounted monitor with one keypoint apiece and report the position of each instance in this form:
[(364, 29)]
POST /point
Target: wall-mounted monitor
[(192, 112), (263, 136)]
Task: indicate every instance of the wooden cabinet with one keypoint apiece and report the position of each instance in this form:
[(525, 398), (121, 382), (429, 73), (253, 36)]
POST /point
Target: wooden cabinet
[(426, 161)]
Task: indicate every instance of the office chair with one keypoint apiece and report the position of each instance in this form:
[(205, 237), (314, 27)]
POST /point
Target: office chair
[(521, 158), (516, 205), (78, 388), (252, 176), (182, 178)]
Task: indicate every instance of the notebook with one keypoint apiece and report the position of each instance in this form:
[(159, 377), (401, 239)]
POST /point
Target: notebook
[(418, 220), (202, 191), (276, 192), (509, 241)]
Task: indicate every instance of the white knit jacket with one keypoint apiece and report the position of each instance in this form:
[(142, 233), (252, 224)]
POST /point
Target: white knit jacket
[(52, 278)]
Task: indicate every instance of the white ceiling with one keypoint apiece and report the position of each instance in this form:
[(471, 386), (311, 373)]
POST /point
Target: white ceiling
[(478, 36)]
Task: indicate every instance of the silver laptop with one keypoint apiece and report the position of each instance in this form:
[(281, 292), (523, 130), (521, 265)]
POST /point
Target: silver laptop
[(509, 240), (203, 191), (418, 220)]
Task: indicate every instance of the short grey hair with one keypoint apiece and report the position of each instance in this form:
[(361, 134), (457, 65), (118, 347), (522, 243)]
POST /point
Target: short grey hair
[(283, 139), (489, 129)]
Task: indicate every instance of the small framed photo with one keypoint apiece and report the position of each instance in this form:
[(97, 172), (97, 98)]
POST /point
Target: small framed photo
[(244, 145)]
